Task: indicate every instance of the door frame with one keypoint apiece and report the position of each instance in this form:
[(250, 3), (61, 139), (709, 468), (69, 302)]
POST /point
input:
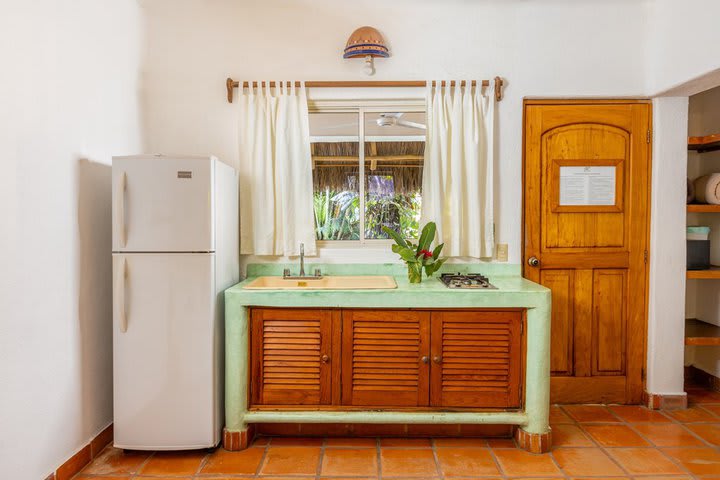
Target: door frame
[(635, 391)]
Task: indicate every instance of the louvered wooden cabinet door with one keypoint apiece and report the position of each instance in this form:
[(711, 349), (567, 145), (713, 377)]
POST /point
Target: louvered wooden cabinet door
[(476, 359), (292, 356), (382, 358)]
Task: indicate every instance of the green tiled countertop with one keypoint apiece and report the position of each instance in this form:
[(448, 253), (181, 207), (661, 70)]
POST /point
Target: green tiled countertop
[(512, 291)]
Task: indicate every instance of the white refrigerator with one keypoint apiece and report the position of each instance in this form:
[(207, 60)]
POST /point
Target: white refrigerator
[(175, 250)]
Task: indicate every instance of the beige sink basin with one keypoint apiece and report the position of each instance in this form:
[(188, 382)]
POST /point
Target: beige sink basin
[(353, 282)]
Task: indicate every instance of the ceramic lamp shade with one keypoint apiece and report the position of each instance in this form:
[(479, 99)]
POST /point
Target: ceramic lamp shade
[(366, 41)]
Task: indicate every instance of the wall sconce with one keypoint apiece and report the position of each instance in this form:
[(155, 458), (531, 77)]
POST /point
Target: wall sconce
[(366, 42)]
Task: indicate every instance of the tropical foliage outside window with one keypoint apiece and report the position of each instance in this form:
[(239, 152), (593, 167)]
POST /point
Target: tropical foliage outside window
[(392, 178)]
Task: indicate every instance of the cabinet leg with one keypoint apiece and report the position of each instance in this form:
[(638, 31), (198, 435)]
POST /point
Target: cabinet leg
[(238, 440), (534, 442)]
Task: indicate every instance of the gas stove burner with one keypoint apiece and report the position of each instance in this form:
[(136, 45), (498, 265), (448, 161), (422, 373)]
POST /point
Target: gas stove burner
[(466, 280)]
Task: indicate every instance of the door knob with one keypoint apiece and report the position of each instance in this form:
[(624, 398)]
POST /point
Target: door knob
[(425, 359), (437, 359), (533, 261), (324, 359)]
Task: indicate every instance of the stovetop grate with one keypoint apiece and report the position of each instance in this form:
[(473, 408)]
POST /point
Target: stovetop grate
[(466, 280)]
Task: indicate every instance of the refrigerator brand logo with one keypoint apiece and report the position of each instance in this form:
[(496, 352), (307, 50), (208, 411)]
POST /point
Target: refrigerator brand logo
[(184, 174)]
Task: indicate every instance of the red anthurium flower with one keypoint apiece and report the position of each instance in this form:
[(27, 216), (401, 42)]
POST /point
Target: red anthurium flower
[(425, 253)]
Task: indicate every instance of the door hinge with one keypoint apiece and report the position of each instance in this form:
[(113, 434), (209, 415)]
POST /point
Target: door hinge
[(645, 256), (649, 136)]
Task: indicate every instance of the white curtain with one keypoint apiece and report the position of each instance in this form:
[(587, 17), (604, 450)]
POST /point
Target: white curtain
[(275, 167), (457, 192)]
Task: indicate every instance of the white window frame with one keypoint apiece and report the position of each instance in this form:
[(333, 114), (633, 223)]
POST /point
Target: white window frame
[(361, 107)]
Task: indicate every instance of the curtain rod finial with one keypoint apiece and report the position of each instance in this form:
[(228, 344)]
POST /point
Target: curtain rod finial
[(230, 84)]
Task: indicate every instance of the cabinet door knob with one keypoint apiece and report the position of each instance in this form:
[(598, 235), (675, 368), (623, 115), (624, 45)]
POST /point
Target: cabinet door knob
[(325, 359), (425, 359), (437, 359)]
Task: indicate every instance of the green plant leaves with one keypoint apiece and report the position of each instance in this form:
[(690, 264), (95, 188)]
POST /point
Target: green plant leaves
[(426, 236), (395, 236)]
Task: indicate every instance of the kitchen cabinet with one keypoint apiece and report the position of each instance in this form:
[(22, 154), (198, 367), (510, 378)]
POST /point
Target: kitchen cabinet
[(476, 359), (293, 356), (385, 358)]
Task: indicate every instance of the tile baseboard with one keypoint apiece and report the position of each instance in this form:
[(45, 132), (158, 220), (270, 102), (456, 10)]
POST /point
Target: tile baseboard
[(77, 462), (660, 401)]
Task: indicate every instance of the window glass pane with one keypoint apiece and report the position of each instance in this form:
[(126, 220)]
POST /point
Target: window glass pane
[(336, 162), (394, 149)]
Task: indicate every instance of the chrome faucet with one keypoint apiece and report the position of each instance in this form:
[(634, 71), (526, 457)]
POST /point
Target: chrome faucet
[(302, 259), (301, 275)]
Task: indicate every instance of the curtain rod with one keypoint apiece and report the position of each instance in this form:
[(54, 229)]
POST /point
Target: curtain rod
[(232, 84)]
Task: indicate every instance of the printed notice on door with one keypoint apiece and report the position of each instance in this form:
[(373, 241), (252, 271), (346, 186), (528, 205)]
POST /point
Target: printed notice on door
[(587, 185)]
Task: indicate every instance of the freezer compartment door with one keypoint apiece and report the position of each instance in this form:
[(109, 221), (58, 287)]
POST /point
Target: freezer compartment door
[(163, 204), (164, 351)]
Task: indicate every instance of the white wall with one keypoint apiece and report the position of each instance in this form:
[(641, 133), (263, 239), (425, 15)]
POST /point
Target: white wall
[(666, 308), (682, 39), (68, 103), (548, 48)]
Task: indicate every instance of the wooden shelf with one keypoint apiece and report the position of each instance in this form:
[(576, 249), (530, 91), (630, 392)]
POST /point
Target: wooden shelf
[(698, 332), (713, 272), (703, 208), (708, 143)]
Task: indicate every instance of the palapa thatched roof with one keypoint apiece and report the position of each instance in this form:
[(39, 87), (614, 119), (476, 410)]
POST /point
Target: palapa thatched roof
[(334, 164)]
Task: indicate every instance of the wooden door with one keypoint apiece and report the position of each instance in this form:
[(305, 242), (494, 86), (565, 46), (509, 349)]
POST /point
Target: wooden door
[(385, 356), (586, 215), (292, 356), (476, 359)]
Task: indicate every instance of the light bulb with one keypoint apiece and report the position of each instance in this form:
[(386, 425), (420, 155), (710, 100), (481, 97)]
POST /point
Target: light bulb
[(369, 68)]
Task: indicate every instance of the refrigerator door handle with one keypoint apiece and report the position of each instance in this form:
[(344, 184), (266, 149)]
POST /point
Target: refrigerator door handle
[(120, 295), (122, 185)]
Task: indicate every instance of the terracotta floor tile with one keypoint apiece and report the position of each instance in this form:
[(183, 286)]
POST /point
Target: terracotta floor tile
[(615, 436), (174, 463), (557, 415), (668, 435), (644, 461), (326, 478), (405, 442), (291, 461), (143, 477), (570, 436), (355, 442), (605, 478), (637, 414), (709, 432), (466, 462), (590, 413), (516, 463), (539, 478), (296, 441), (692, 414), (700, 461), (80, 476), (115, 460), (501, 443), (402, 462), (260, 441), (463, 442), (349, 461), (665, 477), (245, 462), (714, 409), (702, 395), (585, 462)]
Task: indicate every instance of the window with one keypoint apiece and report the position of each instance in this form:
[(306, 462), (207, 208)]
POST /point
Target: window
[(367, 175)]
